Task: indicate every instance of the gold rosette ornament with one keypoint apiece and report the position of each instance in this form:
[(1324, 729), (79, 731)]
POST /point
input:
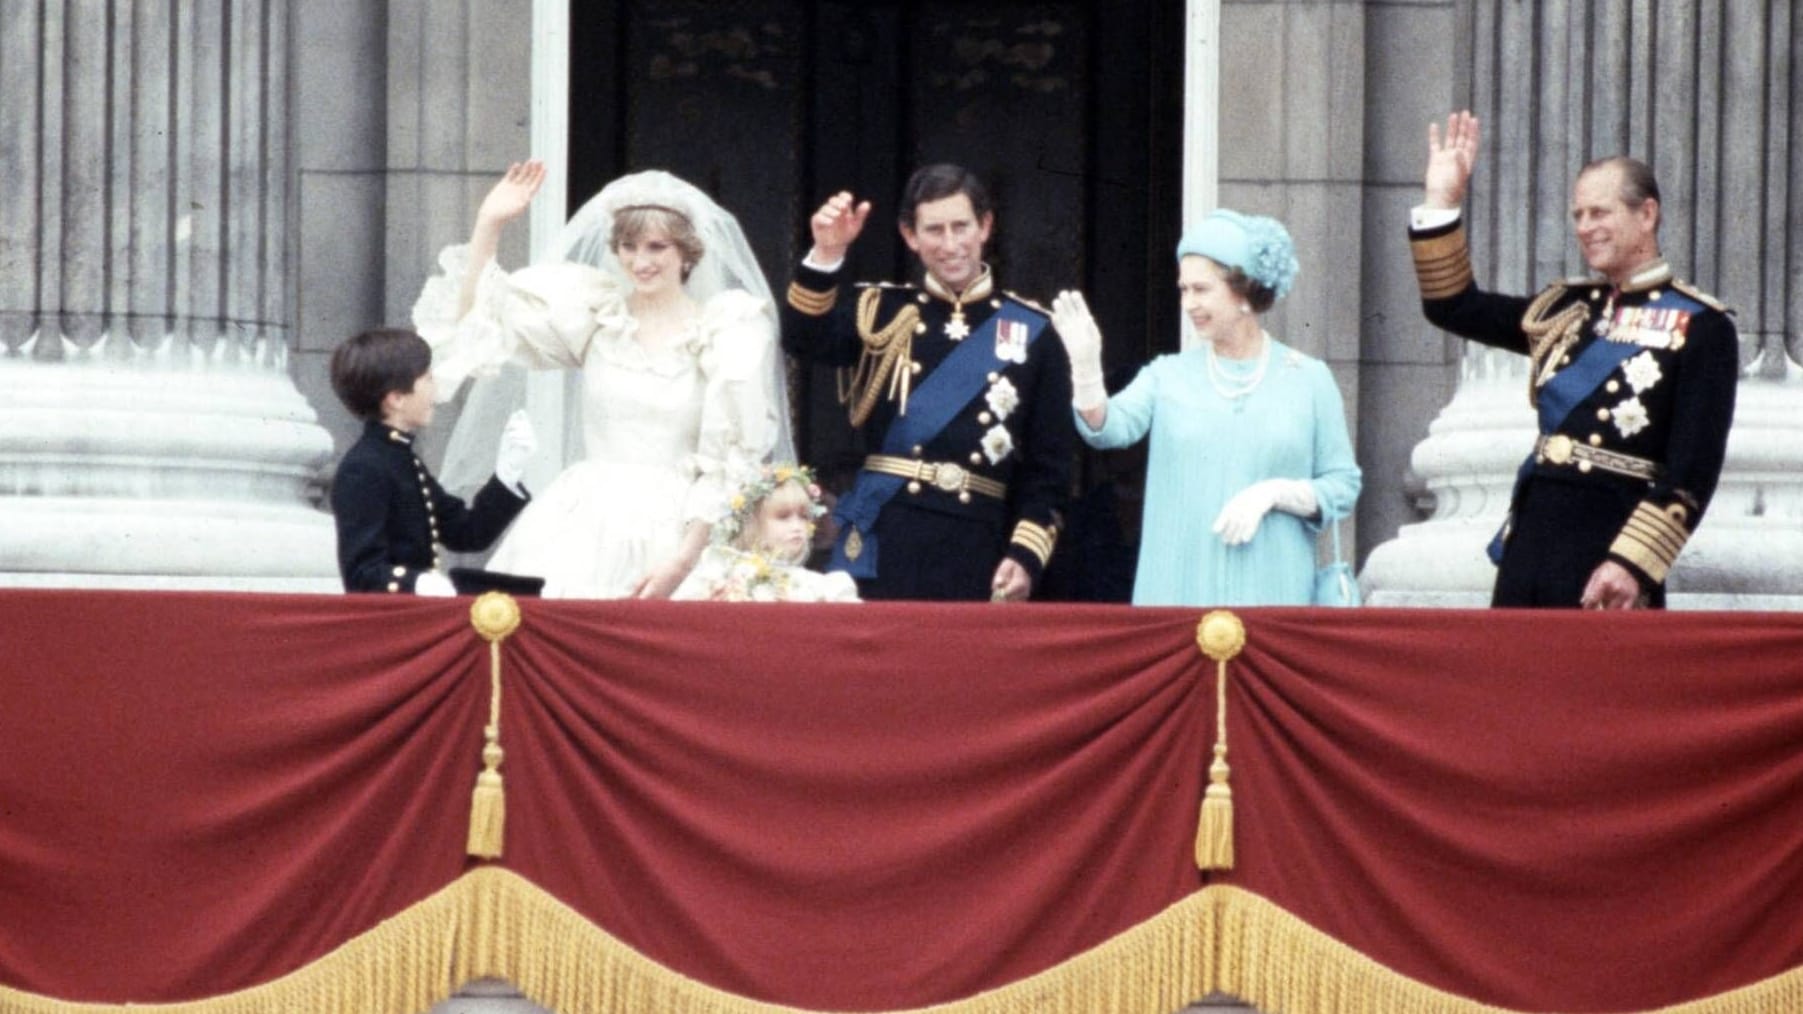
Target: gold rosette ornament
[(1220, 635), (494, 615)]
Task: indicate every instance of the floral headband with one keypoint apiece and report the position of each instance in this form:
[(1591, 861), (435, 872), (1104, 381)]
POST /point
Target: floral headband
[(743, 505)]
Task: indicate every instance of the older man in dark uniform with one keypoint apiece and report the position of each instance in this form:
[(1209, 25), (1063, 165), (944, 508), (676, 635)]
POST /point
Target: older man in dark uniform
[(960, 391), (1632, 375)]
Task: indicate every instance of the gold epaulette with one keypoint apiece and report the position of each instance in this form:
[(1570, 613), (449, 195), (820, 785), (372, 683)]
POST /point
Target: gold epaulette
[(1653, 538), (1028, 303), (885, 363), (1442, 263), (1700, 296)]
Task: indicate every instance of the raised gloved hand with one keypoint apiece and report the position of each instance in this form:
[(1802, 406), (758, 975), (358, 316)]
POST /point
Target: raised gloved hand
[(1083, 344), (518, 441), (1239, 519), (433, 585)]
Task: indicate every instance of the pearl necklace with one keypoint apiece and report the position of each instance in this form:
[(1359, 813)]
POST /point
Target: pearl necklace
[(1234, 388)]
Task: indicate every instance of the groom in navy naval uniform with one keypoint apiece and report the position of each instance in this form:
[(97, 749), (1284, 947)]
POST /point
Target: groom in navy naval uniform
[(961, 392), (1632, 375)]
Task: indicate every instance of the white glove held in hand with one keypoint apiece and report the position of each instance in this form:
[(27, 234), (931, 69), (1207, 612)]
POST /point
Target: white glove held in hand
[(1083, 344), (517, 444), (433, 585), (1239, 519)]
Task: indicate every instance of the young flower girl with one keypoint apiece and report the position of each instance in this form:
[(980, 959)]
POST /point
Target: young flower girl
[(757, 549)]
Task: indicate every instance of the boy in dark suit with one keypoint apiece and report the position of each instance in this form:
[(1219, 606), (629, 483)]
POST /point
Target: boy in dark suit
[(392, 516)]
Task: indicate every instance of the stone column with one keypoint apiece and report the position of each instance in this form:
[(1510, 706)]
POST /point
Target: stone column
[(150, 435), (1557, 84)]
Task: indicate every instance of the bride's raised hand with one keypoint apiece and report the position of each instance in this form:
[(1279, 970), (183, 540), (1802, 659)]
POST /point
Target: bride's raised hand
[(509, 197)]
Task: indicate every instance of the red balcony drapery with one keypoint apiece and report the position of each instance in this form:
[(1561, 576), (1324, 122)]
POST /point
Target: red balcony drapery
[(890, 806)]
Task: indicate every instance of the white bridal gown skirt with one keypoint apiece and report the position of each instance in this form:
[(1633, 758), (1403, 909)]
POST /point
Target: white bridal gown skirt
[(597, 529)]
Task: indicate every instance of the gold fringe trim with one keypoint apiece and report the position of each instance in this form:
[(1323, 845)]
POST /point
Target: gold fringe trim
[(492, 923)]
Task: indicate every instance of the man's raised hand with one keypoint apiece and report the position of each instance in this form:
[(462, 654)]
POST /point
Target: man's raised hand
[(1450, 160), (837, 224)]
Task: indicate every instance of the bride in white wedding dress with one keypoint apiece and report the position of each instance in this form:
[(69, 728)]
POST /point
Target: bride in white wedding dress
[(658, 301)]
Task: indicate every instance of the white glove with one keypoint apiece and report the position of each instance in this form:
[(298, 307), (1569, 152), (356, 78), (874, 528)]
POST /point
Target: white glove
[(1239, 519), (1083, 344), (433, 585), (517, 444)]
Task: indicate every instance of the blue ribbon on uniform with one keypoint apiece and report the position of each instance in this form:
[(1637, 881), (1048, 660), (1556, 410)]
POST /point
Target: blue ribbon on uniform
[(959, 378), (1564, 392)]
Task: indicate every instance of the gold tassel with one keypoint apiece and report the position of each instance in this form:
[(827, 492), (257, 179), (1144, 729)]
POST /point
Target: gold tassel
[(494, 615), (1214, 836), (1220, 635), (488, 807)]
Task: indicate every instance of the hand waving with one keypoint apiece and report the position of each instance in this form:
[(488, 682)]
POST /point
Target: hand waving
[(837, 224), (1083, 345), (507, 199), (1451, 161), (1076, 326)]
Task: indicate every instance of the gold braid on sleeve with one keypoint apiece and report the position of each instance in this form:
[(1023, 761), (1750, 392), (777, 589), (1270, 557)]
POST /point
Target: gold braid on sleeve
[(1549, 337), (884, 362)]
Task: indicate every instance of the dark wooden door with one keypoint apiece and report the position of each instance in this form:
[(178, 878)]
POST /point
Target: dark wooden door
[(1071, 112)]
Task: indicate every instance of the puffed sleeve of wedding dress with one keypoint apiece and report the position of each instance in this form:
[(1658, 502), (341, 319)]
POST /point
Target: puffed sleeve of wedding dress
[(542, 317), (738, 409)]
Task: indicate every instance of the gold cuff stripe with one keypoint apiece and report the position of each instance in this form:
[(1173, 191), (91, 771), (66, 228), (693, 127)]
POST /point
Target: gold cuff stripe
[(1656, 540), (1036, 539), (814, 304), (1651, 540), (1442, 264)]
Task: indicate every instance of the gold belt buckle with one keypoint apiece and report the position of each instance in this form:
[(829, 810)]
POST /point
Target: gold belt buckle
[(948, 477), (1557, 449)]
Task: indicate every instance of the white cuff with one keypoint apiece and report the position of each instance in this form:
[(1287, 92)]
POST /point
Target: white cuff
[(1088, 393), (810, 261), (1422, 217)]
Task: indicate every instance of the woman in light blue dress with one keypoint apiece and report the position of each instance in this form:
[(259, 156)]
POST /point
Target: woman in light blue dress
[(1250, 455)]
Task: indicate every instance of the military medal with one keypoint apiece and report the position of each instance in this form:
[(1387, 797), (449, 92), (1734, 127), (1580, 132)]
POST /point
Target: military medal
[(1606, 321), (1011, 341), (956, 329)]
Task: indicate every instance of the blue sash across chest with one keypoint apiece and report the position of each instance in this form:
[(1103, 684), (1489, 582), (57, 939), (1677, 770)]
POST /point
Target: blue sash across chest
[(958, 379), (1558, 397)]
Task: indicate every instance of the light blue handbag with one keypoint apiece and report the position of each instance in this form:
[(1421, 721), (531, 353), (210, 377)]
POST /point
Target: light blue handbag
[(1335, 584)]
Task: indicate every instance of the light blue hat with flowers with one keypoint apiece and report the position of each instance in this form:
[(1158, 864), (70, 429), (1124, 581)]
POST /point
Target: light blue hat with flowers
[(1255, 244)]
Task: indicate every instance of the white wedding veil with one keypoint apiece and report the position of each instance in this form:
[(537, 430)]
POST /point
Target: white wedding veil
[(726, 263)]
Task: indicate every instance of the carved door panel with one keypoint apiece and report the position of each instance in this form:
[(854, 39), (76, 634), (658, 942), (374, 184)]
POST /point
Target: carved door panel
[(1071, 111)]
